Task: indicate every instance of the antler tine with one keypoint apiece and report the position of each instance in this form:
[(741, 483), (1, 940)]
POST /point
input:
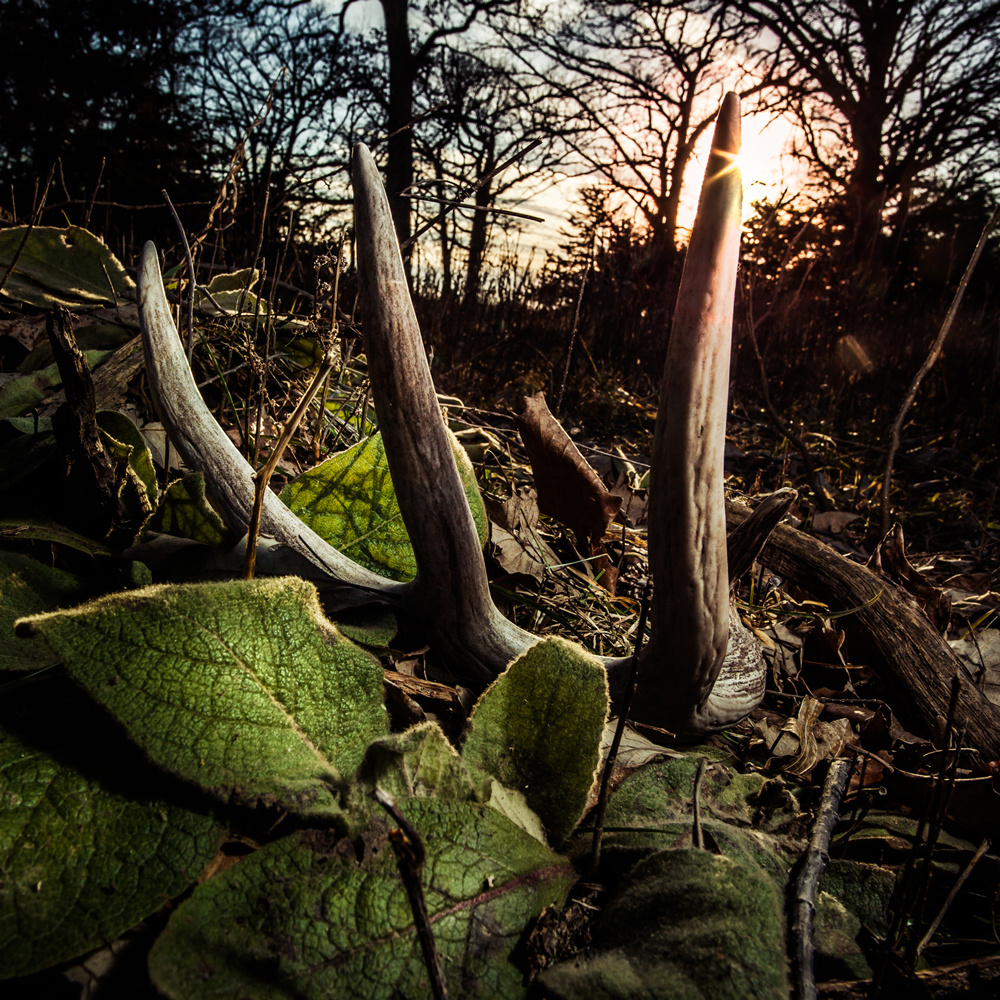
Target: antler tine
[(452, 588), (205, 447), (690, 615)]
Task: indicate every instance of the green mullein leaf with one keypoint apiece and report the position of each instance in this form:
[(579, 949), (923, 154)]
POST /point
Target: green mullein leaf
[(243, 688), (349, 501)]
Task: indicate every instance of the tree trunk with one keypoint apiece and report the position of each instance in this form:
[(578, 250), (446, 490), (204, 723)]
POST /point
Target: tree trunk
[(445, 237), (402, 72), (477, 241), (866, 191)]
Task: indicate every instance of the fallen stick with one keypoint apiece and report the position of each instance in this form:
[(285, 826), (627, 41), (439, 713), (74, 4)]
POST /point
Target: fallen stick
[(802, 950), (891, 632)]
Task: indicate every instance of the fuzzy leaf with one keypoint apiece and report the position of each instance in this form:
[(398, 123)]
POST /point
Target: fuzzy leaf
[(34, 444), (185, 512), (685, 923), (652, 808), (78, 864), (28, 588), (67, 267), (232, 292), (119, 428), (302, 918), (370, 624), (349, 501), (44, 530), (419, 763), (537, 729), (243, 688), (92, 337), (27, 391)]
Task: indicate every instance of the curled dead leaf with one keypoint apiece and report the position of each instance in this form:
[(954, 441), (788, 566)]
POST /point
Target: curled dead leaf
[(889, 561), (568, 487)]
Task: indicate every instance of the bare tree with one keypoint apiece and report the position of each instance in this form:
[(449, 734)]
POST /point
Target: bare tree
[(303, 71), (887, 91), (632, 87), (485, 119), (412, 31)]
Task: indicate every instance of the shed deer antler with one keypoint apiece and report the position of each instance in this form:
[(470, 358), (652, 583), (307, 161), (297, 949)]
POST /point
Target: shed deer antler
[(688, 681), (701, 669)]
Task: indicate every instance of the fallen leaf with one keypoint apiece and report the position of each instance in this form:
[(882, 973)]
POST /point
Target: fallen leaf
[(28, 331), (518, 556), (889, 561), (61, 267), (833, 521), (981, 655), (805, 738), (568, 487)]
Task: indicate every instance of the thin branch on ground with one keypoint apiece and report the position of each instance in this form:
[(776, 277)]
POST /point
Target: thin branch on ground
[(191, 275), (263, 477), (410, 854), (804, 887)]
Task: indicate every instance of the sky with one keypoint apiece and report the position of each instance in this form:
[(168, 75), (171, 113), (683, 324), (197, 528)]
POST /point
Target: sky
[(765, 160)]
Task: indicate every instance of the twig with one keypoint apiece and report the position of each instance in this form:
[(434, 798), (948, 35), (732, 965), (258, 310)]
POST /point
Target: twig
[(465, 194), (251, 344), (576, 324), (929, 362), (410, 856), (191, 274), (373, 143), (939, 798), (609, 764), (334, 330), (237, 158), (752, 325), (807, 881), (475, 208), (959, 882), (127, 208), (260, 368), (984, 523), (911, 884), (269, 339), (697, 836), (263, 477), (93, 197), (822, 499)]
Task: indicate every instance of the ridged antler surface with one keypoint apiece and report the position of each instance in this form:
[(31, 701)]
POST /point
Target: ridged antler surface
[(701, 669), (205, 447)]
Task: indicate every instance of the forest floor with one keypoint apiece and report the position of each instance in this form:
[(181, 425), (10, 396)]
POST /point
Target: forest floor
[(924, 824)]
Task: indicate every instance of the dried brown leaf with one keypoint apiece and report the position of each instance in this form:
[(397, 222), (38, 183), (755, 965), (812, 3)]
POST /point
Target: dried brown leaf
[(889, 561), (833, 521), (569, 489)]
